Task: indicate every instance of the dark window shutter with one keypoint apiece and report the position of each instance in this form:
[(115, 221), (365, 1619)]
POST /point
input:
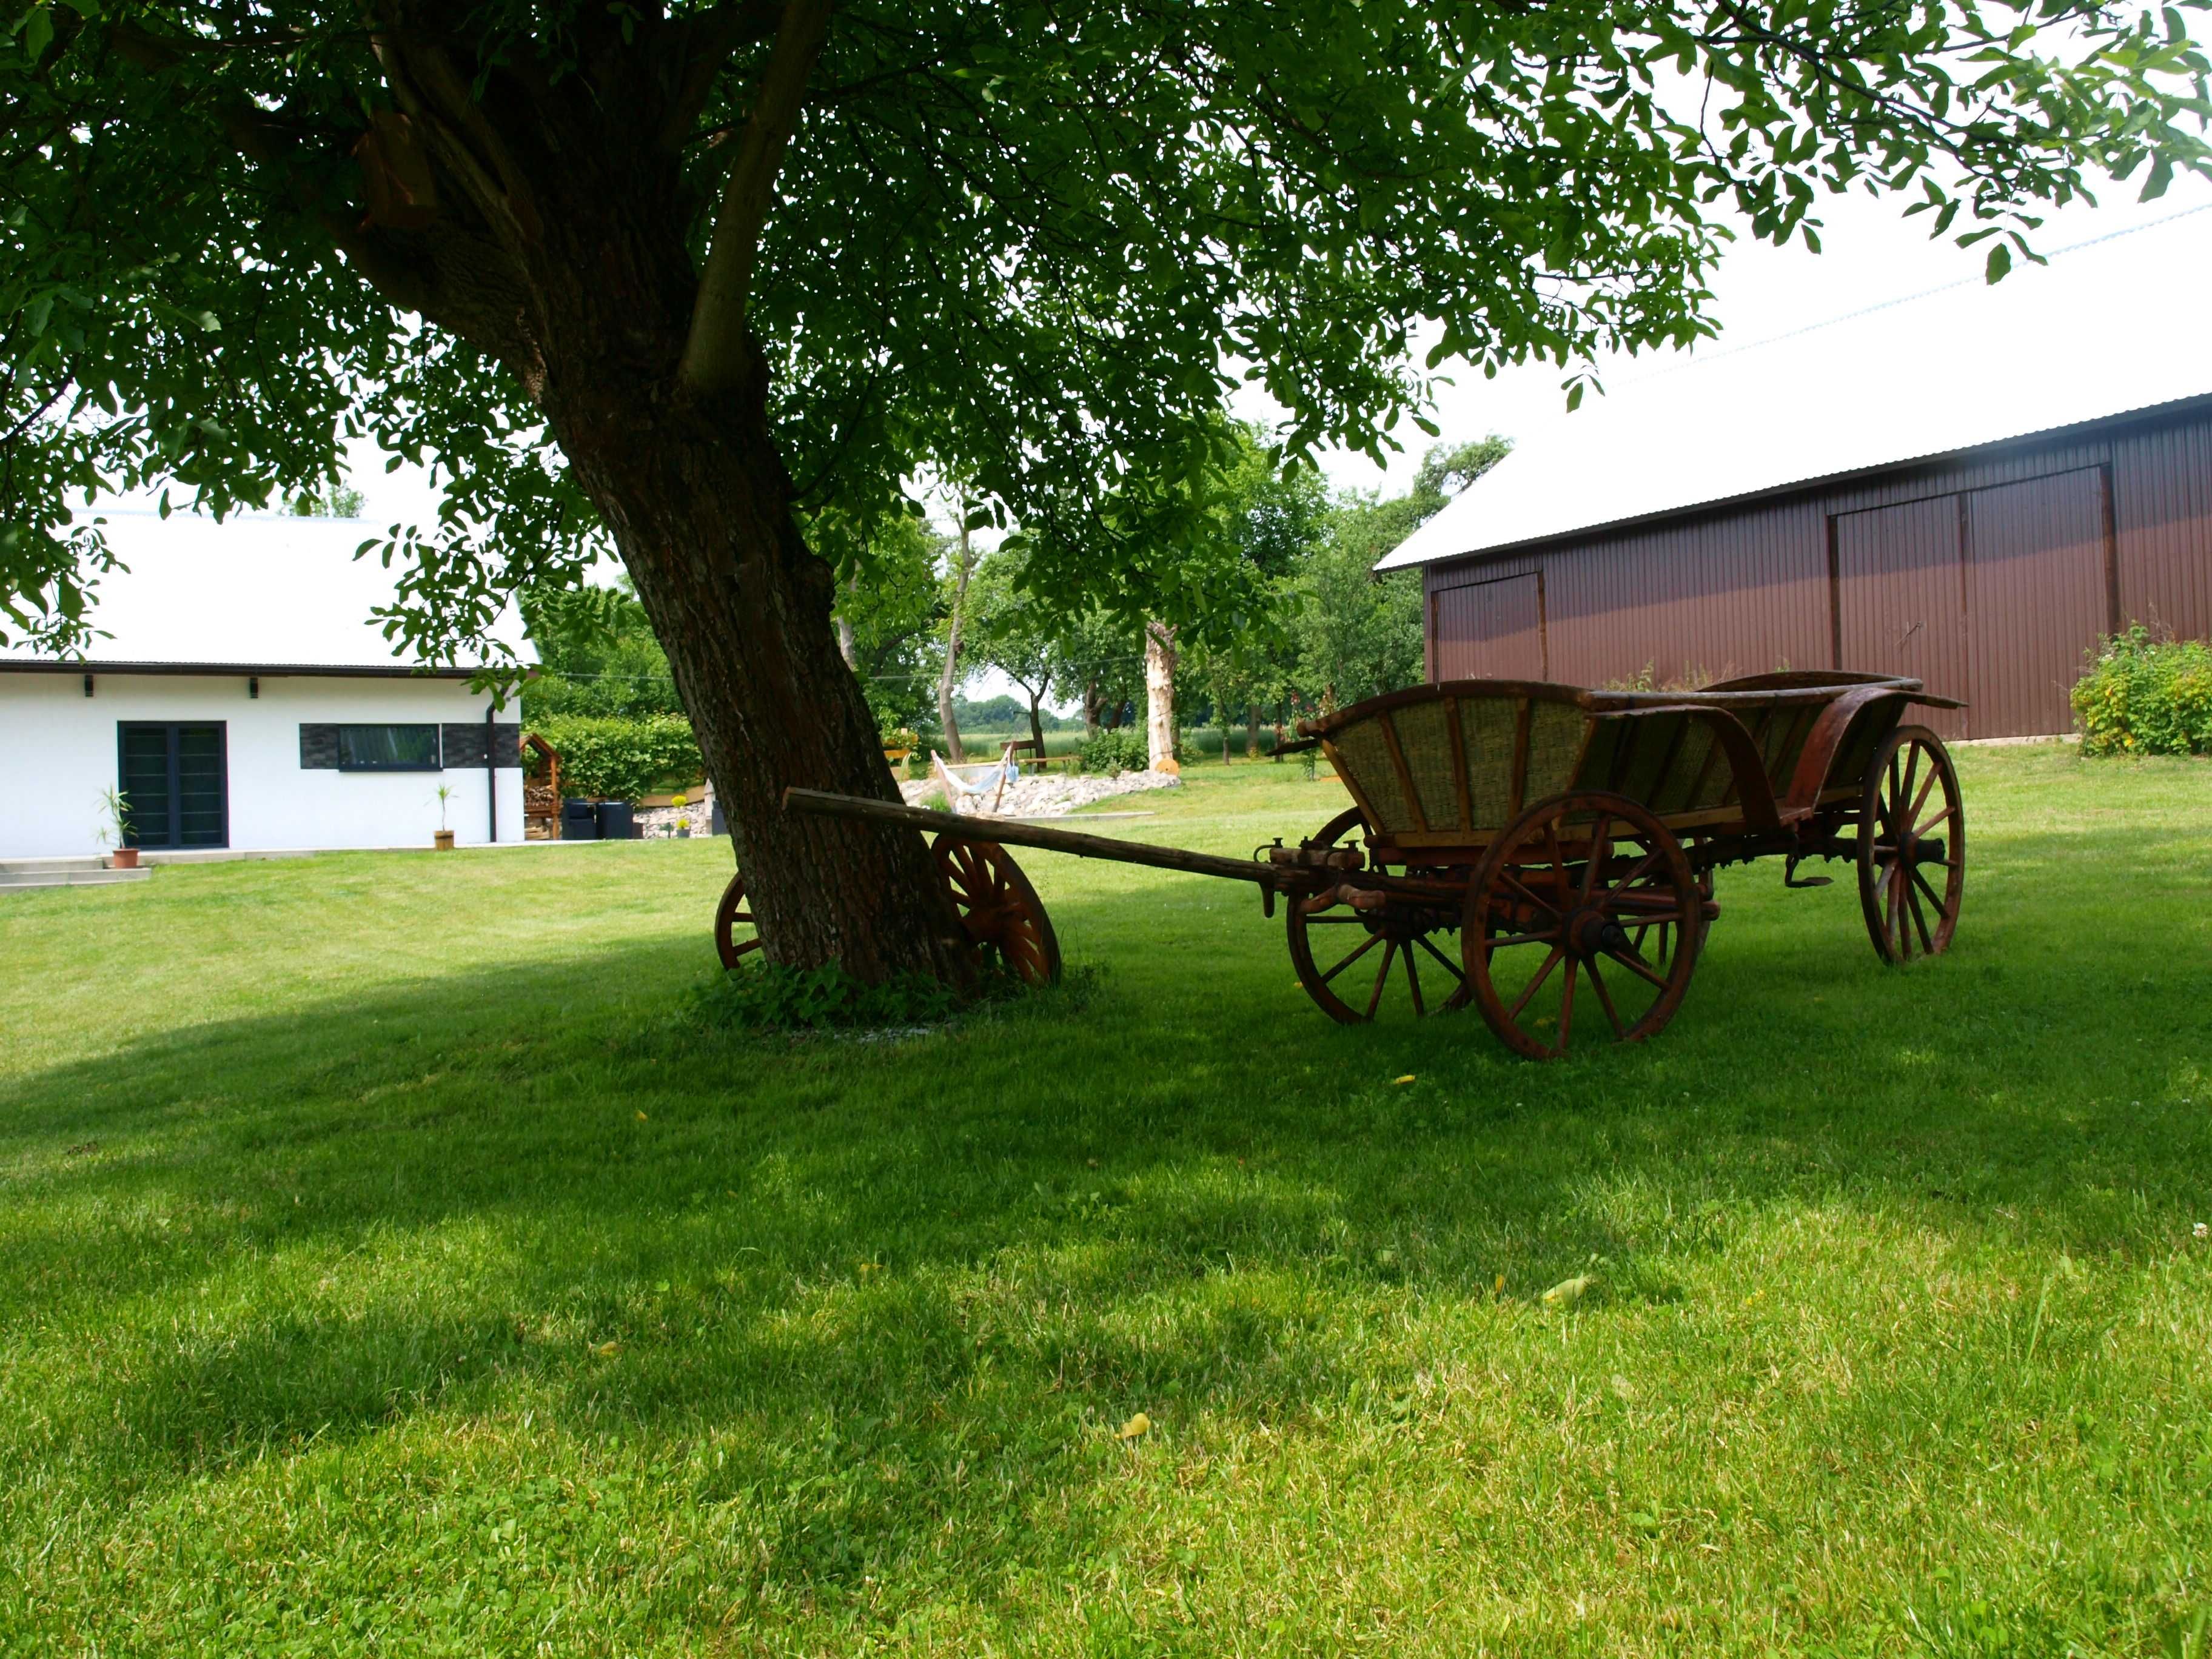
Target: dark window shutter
[(465, 744)]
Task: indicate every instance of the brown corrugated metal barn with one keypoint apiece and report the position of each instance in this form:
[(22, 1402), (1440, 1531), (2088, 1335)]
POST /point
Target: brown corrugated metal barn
[(1986, 572)]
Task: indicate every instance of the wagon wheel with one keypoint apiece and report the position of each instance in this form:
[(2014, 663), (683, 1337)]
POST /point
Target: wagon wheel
[(1563, 890), (734, 936), (1655, 941), (1001, 910), (1328, 942), (1905, 832)]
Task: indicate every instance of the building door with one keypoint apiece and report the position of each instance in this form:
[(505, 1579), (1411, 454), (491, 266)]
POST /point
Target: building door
[(1901, 598), (1491, 630), (2038, 592), (176, 782)]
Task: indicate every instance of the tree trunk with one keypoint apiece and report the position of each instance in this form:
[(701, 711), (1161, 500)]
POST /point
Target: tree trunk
[(1252, 729), (950, 677), (1091, 707), (1036, 725), (1159, 696), (699, 506)]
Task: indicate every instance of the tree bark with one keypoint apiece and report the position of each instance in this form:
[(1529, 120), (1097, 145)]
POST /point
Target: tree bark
[(1252, 729), (950, 677), (1159, 696), (1091, 707)]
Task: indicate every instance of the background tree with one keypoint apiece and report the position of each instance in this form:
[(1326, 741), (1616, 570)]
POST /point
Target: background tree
[(1014, 633), (695, 275), (1355, 634), (887, 621)]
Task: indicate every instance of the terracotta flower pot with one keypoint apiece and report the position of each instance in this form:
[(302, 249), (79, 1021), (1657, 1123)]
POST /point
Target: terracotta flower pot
[(123, 858), (445, 840)]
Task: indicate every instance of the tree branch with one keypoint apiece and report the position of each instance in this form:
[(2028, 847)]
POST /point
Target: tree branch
[(714, 356), (707, 44)]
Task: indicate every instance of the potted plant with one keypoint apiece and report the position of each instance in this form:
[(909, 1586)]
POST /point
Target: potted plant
[(445, 836), (115, 831), (683, 823)]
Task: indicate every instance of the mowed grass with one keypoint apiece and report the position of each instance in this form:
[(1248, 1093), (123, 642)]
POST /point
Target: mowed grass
[(384, 1268)]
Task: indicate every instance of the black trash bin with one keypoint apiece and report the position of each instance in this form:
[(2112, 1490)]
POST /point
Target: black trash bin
[(579, 820), (616, 821)]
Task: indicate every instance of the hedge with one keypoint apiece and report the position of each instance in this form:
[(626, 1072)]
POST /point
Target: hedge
[(2146, 695), (612, 757)]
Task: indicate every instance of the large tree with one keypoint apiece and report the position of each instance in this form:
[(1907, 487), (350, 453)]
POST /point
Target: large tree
[(717, 278)]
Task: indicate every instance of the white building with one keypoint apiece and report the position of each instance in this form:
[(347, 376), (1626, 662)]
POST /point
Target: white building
[(244, 699)]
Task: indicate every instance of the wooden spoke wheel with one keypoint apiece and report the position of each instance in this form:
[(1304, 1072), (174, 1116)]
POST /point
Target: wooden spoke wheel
[(1912, 846), (1344, 957), (1553, 917), (1002, 912), (1657, 941), (735, 937)]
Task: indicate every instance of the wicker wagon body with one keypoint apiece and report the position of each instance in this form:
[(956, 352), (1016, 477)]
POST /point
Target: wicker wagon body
[(1518, 840)]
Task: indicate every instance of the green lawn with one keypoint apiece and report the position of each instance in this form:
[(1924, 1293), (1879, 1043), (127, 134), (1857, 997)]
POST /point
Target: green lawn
[(383, 1269)]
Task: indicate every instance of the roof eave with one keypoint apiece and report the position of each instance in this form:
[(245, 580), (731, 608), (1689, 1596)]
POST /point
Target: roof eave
[(2045, 437)]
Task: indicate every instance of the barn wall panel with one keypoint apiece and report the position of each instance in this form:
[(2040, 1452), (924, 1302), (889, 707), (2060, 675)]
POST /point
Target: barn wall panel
[(2037, 595), (2162, 512), (1748, 589)]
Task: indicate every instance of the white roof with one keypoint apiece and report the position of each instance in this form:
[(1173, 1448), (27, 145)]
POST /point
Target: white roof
[(1925, 374), (258, 591)]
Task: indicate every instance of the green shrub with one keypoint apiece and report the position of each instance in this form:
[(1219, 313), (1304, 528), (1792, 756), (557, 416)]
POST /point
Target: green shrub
[(2146, 695), (618, 758), (1120, 750)]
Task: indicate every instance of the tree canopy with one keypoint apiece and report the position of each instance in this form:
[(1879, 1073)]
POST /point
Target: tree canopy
[(1032, 243)]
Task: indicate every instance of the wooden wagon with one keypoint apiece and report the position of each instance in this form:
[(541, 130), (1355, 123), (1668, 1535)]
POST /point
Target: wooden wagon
[(1566, 837)]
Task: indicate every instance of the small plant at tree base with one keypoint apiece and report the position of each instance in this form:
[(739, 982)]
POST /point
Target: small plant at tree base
[(445, 793), (769, 998)]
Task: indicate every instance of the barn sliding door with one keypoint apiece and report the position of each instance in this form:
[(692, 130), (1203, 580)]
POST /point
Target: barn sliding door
[(1901, 601), (1491, 630), (2038, 592)]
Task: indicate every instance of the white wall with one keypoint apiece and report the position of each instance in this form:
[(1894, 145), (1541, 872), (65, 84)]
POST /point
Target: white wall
[(57, 751)]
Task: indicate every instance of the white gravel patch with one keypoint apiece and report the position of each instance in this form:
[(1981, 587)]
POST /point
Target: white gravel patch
[(1050, 796)]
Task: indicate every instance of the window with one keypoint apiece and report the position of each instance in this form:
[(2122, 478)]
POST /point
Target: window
[(388, 748), (176, 782)]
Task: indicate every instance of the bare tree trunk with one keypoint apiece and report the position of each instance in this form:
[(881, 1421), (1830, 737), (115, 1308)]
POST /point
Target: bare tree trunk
[(1091, 707), (1036, 725), (1252, 729), (950, 677), (1159, 696)]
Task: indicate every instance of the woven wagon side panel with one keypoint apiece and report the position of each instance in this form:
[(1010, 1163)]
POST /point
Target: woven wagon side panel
[(1425, 739), (1786, 742), (1485, 725), (1683, 792), (1648, 772), (1555, 741), (1367, 752)]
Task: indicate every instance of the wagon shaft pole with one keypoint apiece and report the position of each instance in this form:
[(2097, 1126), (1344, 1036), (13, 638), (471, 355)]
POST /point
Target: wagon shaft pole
[(1051, 841)]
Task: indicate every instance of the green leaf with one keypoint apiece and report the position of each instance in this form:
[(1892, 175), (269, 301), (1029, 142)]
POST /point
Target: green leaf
[(38, 33), (2000, 262)]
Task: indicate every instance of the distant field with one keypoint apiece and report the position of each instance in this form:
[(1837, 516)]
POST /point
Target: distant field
[(386, 1267)]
